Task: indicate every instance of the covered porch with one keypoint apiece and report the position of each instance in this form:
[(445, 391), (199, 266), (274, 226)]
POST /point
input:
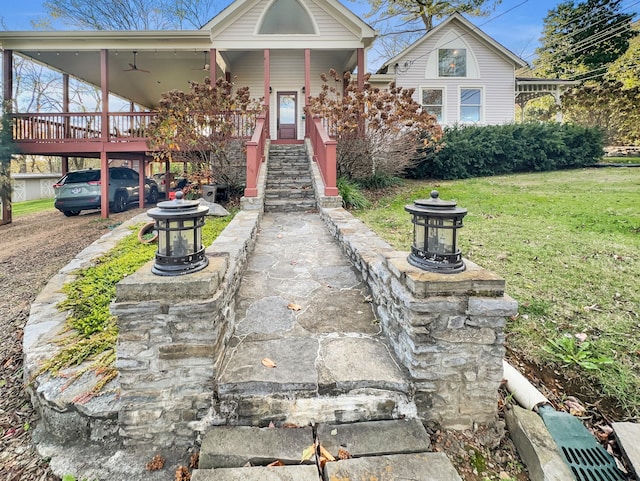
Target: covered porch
[(139, 67)]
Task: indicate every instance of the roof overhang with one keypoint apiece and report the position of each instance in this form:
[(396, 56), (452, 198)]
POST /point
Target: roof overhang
[(166, 59)]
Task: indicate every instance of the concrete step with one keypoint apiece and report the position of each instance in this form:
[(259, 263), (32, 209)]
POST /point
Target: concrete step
[(382, 450)]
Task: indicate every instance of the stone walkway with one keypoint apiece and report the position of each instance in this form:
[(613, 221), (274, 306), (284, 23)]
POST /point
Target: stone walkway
[(302, 306)]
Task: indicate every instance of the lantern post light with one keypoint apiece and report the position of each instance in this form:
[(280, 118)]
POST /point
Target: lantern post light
[(435, 235), (179, 224)]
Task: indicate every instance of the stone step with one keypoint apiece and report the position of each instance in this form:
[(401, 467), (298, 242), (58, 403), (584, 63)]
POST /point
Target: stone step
[(283, 192), (296, 182), (279, 205), (316, 378), (383, 450)]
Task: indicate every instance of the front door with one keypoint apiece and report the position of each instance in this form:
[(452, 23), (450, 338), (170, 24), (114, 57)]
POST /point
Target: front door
[(287, 108)]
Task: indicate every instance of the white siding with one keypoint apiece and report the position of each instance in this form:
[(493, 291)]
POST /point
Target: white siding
[(245, 27), (286, 74), (495, 76)]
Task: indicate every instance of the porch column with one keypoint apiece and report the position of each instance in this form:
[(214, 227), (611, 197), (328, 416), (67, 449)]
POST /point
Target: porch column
[(104, 133), (267, 76), (142, 170), (7, 82), (65, 109), (7, 76), (213, 65), (361, 68), (267, 83), (307, 88)]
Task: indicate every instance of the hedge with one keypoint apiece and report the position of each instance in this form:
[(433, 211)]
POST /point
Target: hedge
[(477, 151)]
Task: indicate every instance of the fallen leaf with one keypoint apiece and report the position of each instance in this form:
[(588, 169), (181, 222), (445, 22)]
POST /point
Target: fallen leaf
[(593, 307), (266, 362), (271, 425), (308, 453), (575, 408), (183, 474), (279, 236), (581, 336), (326, 454), (277, 462), (343, 453), (156, 463), (294, 307), (194, 460)]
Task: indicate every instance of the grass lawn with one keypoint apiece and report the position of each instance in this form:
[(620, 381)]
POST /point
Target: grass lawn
[(31, 206), (568, 245)]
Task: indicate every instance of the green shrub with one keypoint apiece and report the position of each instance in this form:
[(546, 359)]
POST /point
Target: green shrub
[(479, 151), (352, 196)]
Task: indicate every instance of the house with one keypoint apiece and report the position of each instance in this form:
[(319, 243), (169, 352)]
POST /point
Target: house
[(463, 76), (278, 48)]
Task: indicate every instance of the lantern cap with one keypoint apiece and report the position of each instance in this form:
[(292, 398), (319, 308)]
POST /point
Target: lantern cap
[(178, 207), (435, 205)]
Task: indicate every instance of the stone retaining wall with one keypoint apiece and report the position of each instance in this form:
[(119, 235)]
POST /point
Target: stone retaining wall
[(446, 329), (173, 333)]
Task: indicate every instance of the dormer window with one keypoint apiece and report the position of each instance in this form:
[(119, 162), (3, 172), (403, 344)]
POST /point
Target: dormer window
[(452, 62)]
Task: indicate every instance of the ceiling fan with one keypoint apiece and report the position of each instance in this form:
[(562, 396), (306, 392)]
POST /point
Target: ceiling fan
[(133, 67), (205, 65)]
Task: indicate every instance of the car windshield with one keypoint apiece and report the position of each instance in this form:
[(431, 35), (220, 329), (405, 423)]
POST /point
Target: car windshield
[(82, 176)]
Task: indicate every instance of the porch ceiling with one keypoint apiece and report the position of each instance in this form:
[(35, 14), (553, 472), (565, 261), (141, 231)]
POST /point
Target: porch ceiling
[(172, 58)]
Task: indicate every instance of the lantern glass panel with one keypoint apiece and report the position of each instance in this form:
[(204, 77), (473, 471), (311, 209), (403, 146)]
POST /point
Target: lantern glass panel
[(418, 233), (440, 234), (163, 237)]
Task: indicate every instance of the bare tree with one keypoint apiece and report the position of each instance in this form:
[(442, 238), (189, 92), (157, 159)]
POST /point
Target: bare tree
[(131, 14), (401, 22)]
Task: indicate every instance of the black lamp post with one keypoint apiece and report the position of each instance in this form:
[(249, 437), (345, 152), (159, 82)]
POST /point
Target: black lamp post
[(179, 226), (435, 240)]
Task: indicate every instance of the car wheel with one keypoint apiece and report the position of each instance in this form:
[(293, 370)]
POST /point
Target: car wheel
[(153, 196), (120, 202), (71, 213)]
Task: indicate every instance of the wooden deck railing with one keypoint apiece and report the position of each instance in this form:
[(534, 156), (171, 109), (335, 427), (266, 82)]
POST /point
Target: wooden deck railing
[(123, 126), (324, 153), (255, 154)]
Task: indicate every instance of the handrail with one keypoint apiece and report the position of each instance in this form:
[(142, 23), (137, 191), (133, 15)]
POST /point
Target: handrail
[(324, 153), (85, 126), (255, 155)]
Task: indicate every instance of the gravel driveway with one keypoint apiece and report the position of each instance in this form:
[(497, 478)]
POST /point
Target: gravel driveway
[(32, 249)]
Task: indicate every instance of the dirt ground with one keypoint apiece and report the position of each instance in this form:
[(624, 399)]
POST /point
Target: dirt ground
[(32, 249)]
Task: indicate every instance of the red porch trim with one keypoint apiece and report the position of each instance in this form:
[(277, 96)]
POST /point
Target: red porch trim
[(255, 156), (360, 68), (324, 153), (104, 134)]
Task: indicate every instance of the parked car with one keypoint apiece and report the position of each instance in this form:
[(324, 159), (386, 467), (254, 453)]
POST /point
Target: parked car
[(80, 190), (161, 180)]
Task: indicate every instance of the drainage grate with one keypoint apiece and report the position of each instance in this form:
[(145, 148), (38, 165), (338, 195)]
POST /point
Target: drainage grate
[(586, 458)]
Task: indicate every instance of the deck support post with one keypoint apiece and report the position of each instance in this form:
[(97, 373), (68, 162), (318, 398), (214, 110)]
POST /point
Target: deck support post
[(104, 133)]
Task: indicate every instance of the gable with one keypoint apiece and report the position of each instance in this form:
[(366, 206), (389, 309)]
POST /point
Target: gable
[(247, 24), (458, 31)]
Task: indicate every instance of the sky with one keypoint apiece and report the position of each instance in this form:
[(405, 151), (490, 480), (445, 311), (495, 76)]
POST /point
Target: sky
[(516, 24)]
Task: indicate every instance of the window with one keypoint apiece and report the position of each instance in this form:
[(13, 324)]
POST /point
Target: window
[(470, 105), (286, 17), (433, 102), (452, 62)]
